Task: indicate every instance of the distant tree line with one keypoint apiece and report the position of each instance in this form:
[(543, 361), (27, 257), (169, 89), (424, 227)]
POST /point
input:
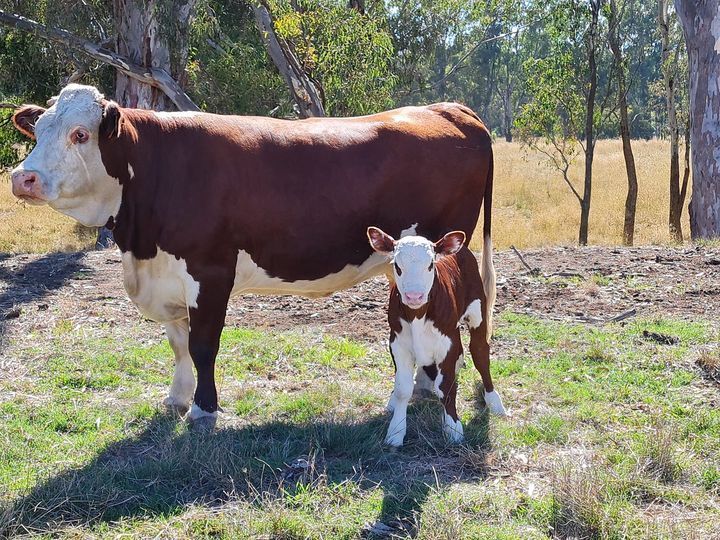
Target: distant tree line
[(557, 74)]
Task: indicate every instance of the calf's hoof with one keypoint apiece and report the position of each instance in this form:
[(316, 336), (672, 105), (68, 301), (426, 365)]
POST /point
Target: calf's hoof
[(453, 429), (494, 403), (201, 421), (394, 440), (175, 407)]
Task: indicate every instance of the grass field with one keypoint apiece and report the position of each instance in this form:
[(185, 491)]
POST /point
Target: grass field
[(533, 206), (612, 436)]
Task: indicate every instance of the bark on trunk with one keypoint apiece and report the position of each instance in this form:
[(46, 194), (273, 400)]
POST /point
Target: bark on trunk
[(153, 34), (701, 26), (154, 76), (306, 95), (675, 210), (589, 122), (632, 191)]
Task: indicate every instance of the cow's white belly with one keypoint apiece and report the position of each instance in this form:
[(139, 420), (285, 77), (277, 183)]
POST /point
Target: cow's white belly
[(163, 290), (250, 278)]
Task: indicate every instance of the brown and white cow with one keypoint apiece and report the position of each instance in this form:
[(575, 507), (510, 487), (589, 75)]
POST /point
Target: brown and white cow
[(437, 288), (206, 206)]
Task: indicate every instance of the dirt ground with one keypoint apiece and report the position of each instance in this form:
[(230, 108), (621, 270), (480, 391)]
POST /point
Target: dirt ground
[(592, 285)]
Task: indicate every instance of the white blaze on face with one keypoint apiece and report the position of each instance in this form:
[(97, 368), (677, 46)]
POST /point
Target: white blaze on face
[(414, 268), (71, 174)]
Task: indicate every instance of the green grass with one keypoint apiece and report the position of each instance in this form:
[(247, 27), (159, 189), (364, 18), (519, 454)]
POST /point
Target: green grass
[(607, 429)]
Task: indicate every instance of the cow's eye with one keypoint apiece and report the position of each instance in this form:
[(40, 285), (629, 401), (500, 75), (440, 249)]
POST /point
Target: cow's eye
[(80, 136), (397, 269)]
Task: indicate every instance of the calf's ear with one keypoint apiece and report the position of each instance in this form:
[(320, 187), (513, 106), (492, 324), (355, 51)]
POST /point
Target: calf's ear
[(450, 243), (380, 240), (25, 119)]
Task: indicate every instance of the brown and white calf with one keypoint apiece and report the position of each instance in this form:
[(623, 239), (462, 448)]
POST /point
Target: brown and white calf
[(437, 288)]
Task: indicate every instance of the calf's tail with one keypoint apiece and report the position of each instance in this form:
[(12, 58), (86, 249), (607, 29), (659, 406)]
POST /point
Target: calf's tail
[(487, 268)]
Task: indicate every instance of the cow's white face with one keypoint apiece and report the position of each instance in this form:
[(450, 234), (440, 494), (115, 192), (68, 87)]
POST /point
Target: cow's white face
[(414, 260), (65, 169)]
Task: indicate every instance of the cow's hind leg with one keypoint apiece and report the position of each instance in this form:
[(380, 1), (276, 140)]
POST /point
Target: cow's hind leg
[(183, 384), (425, 381)]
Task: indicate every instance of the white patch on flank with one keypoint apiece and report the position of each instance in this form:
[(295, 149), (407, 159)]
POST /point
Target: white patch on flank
[(72, 177), (196, 412), (131, 171), (473, 315), (403, 115), (494, 403), (453, 429), (160, 287), (183, 384), (176, 114), (250, 278)]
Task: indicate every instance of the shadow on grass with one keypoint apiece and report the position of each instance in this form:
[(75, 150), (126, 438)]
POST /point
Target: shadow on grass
[(166, 467), (33, 281)]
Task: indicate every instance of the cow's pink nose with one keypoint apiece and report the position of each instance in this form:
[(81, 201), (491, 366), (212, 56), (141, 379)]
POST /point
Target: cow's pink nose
[(25, 184), (414, 297)]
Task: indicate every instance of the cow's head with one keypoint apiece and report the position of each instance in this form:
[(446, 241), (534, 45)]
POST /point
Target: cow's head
[(65, 169), (414, 260)]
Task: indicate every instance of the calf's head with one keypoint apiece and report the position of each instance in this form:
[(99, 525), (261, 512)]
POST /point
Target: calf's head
[(414, 259), (65, 169)]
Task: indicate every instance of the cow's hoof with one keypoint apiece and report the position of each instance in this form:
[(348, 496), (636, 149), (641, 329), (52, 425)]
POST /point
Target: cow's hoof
[(175, 407), (201, 421), (204, 424), (495, 404)]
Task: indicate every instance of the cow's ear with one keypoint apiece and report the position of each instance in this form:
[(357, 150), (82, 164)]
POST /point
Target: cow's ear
[(380, 240), (25, 119), (450, 243), (111, 123)]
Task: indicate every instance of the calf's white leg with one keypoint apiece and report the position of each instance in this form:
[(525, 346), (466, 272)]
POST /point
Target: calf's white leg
[(404, 365), (183, 384)]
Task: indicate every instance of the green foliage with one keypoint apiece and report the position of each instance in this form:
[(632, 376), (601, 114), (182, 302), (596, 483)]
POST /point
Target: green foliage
[(347, 52)]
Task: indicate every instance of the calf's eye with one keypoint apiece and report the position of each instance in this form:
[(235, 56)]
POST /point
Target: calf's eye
[(397, 269), (430, 267)]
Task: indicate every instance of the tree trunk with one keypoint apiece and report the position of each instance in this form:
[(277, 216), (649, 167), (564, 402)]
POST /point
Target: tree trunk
[(701, 26), (151, 76), (306, 95), (632, 191), (153, 34), (589, 122), (674, 223)]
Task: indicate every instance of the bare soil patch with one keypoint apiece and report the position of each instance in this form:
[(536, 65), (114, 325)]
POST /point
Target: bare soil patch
[(592, 285)]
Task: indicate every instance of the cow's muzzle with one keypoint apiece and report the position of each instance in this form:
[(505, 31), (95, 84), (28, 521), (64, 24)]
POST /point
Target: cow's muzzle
[(26, 186)]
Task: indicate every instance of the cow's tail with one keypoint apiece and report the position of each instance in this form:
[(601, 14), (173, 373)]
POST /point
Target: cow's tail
[(487, 268)]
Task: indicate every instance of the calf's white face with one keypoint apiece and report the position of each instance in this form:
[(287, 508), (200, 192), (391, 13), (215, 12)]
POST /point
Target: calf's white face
[(65, 169), (414, 260)]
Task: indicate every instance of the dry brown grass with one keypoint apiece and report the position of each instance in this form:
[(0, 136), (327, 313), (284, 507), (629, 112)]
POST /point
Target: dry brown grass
[(29, 229), (532, 205)]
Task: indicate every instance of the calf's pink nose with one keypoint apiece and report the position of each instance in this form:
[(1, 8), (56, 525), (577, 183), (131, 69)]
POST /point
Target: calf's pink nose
[(414, 297), (25, 183)]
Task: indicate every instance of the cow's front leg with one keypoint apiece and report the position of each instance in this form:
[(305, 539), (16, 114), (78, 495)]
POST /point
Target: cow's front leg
[(404, 367), (183, 384), (207, 319)]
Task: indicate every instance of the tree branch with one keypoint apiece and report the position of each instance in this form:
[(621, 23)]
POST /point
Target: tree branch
[(305, 93), (159, 78)]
